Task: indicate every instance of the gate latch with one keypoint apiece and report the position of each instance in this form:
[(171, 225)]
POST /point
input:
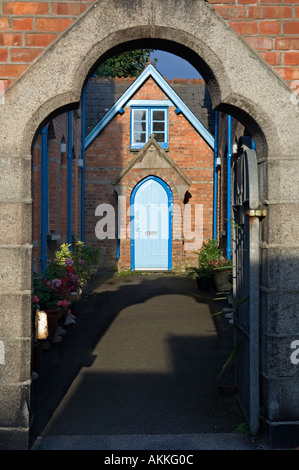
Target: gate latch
[(257, 213)]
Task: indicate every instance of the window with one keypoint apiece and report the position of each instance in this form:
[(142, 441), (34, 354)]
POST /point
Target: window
[(147, 121)]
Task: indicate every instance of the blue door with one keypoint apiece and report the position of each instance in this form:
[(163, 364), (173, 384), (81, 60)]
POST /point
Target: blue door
[(151, 227)]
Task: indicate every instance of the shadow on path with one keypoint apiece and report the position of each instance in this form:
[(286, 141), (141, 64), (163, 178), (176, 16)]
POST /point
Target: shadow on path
[(142, 358)]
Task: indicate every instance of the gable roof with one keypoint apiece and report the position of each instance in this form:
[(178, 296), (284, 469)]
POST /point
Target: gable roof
[(150, 71), (140, 161)]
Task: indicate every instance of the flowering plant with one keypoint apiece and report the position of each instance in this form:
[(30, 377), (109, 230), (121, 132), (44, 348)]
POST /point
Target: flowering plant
[(45, 296), (220, 264), (65, 277), (210, 260), (82, 258)]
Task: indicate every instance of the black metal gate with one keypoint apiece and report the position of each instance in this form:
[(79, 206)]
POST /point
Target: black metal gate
[(245, 251)]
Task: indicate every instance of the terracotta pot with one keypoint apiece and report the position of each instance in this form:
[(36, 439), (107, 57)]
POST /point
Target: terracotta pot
[(222, 281)]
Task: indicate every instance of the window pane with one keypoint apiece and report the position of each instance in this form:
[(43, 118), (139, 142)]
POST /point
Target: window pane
[(160, 137), (158, 126), (158, 115), (139, 126), (139, 115), (139, 137)]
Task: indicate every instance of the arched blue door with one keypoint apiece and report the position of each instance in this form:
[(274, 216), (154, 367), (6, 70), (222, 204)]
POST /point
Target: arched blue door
[(151, 225)]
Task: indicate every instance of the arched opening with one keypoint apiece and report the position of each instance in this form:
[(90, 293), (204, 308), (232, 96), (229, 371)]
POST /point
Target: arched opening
[(139, 164), (253, 102)]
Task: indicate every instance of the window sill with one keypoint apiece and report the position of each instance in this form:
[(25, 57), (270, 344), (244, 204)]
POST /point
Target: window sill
[(135, 150)]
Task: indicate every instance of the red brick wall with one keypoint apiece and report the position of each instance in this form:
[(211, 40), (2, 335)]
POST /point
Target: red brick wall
[(269, 26), (110, 153), (28, 27), (58, 186)]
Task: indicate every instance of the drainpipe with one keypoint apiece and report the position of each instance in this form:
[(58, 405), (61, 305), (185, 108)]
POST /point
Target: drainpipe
[(83, 166), (117, 241), (45, 198), (215, 177), (229, 154), (70, 161)]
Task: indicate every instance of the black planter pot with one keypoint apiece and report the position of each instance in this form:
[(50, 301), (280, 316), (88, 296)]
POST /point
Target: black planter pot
[(204, 283)]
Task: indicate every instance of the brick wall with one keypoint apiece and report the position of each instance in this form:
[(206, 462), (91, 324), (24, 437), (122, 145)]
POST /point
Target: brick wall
[(269, 26), (28, 27), (58, 186)]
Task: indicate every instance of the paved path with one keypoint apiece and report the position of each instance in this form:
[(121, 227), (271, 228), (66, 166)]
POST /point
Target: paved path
[(138, 370)]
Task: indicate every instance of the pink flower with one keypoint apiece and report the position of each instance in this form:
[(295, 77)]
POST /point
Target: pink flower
[(62, 303), (69, 262), (56, 283), (81, 261), (35, 299)]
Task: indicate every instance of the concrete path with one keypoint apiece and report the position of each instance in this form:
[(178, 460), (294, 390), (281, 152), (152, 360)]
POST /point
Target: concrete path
[(138, 370)]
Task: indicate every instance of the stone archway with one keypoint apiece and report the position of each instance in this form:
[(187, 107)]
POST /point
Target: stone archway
[(240, 83)]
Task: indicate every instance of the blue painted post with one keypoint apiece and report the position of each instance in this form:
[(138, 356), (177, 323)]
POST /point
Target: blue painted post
[(70, 161), (229, 154), (45, 198), (117, 243), (215, 177), (83, 167)]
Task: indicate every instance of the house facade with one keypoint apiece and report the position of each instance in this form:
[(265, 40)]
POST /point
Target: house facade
[(48, 52), (56, 187), (142, 189), (149, 158)]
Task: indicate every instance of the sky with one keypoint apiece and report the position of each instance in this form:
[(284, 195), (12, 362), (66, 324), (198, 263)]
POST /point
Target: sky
[(172, 66)]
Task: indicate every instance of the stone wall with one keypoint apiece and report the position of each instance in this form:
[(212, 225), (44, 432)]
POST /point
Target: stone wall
[(241, 84)]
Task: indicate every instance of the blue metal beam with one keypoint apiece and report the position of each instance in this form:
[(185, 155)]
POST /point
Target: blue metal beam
[(83, 166), (215, 202), (70, 161), (45, 198), (229, 154)]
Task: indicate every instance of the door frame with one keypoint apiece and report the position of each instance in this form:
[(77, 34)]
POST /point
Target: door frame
[(170, 214)]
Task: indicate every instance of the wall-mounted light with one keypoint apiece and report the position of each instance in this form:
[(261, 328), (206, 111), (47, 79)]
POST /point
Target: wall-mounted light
[(63, 146)]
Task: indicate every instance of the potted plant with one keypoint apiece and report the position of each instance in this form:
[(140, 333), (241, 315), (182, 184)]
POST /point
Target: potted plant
[(210, 262), (222, 274), (46, 298), (61, 286), (83, 259)]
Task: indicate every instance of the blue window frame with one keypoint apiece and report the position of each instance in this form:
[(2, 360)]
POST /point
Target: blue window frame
[(146, 121)]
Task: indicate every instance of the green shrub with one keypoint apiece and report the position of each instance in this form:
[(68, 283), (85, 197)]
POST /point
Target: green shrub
[(210, 260)]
